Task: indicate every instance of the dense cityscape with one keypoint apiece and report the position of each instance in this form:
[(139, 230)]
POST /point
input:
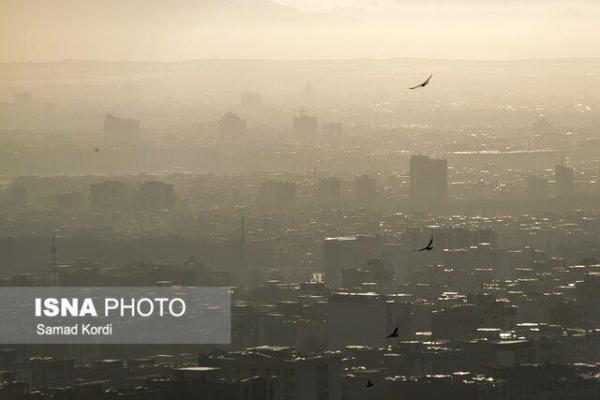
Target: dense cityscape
[(377, 242)]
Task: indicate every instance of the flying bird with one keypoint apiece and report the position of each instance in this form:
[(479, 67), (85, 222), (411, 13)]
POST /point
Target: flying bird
[(369, 383), (422, 85), (97, 149), (429, 246), (393, 334)]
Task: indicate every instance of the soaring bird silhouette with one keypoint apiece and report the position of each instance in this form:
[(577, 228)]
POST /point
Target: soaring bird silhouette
[(393, 334), (422, 85), (429, 246), (97, 149), (369, 383)]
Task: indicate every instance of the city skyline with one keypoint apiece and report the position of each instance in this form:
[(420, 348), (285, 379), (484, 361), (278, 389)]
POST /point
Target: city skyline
[(299, 200)]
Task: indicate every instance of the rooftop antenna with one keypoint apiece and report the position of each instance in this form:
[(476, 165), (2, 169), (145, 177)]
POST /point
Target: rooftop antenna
[(243, 254), (53, 249)]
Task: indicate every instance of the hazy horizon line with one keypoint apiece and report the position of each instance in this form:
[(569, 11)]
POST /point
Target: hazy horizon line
[(192, 60)]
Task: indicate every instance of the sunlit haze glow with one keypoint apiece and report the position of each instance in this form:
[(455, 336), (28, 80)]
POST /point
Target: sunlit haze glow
[(169, 30)]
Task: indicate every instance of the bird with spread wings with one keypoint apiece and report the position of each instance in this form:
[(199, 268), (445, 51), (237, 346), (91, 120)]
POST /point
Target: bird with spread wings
[(394, 334), (422, 85), (429, 246)]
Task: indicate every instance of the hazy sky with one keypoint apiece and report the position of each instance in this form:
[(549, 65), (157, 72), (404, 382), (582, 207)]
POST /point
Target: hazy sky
[(166, 30)]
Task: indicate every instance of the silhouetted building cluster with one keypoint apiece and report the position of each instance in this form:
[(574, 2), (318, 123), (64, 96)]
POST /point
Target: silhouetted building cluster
[(121, 130), (151, 196), (358, 267)]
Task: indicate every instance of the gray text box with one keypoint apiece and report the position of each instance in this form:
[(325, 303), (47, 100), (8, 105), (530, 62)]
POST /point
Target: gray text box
[(190, 315)]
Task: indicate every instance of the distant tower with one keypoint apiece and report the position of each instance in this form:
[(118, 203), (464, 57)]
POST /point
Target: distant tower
[(309, 94), (564, 181), (428, 183), (305, 126), (232, 127), (243, 252), (53, 249)]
